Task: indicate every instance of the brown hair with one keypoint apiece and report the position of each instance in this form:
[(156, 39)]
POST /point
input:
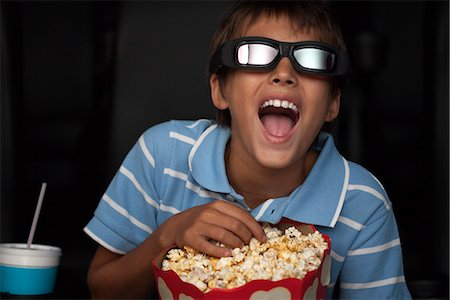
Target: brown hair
[(309, 16)]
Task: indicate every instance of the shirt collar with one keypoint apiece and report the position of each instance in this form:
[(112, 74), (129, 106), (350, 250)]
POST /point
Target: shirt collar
[(320, 198), (317, 201), (207, 159)]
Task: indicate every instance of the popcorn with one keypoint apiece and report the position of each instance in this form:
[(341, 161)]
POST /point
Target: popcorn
[(284, 255)]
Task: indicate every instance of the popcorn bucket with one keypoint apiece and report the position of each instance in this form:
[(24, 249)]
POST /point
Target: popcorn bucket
[(312, 286)]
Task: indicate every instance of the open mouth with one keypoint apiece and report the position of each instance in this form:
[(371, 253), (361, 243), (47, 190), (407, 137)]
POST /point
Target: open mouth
[(278, 116)]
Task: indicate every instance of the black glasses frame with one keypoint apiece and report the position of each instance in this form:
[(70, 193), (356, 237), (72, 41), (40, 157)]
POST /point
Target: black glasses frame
[(226, 56)]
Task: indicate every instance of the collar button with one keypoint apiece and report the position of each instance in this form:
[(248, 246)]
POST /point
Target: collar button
[(230, 198)]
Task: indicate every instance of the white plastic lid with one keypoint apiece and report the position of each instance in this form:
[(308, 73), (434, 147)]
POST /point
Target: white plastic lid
[(16, 254)]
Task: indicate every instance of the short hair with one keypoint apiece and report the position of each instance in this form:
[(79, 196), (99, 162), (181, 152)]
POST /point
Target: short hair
[(312, 17)]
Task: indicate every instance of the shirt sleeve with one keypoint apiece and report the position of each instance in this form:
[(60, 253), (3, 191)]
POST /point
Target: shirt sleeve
[(373, 268), (127, 212)]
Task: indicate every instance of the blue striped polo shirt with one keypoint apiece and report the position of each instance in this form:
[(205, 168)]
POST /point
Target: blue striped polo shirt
[(180, 164)]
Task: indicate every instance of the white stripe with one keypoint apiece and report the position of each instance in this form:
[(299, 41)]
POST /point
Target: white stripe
[(375, 249), (147, 154), (148, 198), (130, 176), (193, 187), (169, 209), (337, 256), (353, 224), (176, 174), (371, 191), (201, 192), (373, 284), (102, 242), (197, 122), (198, 143), (263, 209), (343, 192), (126, 214), (181, 137)]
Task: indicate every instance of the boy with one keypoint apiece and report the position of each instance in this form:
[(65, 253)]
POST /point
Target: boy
[(276, 70)]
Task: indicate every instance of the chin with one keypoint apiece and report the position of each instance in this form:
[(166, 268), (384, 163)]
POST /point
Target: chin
[(276, 162)]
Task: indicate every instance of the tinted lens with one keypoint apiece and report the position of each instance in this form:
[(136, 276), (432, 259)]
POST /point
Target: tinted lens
[(315, 59), (256, 54)]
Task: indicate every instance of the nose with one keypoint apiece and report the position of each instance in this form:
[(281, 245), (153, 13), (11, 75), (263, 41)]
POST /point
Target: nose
[(284, 73)]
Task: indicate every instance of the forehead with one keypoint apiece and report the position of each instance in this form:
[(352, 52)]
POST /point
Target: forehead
[(277, 27)]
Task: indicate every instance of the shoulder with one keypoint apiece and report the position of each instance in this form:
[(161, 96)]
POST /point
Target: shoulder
[(172, 141), (164, 134), (359, 175), (357, 180), (177, 128), (365, 193)]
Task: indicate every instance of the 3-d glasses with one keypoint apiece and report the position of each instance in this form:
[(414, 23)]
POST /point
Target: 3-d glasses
[(259, 53)]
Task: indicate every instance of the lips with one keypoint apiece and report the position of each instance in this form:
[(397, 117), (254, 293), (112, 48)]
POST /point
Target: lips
[(278, 116)]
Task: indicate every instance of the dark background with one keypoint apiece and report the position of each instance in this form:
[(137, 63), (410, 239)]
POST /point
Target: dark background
[(80, 81)]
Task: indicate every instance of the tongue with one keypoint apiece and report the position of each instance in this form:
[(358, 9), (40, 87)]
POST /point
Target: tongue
[(277, 124)]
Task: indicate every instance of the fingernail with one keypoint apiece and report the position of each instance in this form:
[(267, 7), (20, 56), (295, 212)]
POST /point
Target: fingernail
[(227, 252)]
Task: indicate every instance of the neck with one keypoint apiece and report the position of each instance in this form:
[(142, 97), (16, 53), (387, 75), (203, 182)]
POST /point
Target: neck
[(257, 183)]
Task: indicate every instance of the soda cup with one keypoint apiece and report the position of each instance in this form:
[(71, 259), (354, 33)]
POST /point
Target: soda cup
[(28, 271)]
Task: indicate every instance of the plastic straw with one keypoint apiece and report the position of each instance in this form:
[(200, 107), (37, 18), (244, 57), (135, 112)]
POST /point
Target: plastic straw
[(36, 215)]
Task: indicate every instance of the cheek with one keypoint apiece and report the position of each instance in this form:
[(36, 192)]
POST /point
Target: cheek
[(237, 92), (320, 96)]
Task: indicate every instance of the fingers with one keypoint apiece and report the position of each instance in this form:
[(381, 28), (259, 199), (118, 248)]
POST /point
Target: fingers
[(212, 226), (217, 221), (244, 218), (222, 235), (201, 239), (225, 229), (212, 249)]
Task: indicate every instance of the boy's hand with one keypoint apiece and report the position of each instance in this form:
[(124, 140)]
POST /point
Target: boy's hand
[(219, 221)]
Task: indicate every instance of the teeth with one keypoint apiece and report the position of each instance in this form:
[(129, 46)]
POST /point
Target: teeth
[(280, 103)]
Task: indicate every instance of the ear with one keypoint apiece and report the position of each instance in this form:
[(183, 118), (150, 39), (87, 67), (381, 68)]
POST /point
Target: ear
[(333, 106), (217, 97)]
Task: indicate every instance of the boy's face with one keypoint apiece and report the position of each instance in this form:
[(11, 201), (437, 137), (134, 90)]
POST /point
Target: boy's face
[(274, 137)]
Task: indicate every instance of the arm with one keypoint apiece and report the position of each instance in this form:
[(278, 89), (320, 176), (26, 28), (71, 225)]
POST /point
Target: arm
[(130, 276), (113, 275)]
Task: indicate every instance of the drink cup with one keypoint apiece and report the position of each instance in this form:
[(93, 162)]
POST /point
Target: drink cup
[(28, 271)]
